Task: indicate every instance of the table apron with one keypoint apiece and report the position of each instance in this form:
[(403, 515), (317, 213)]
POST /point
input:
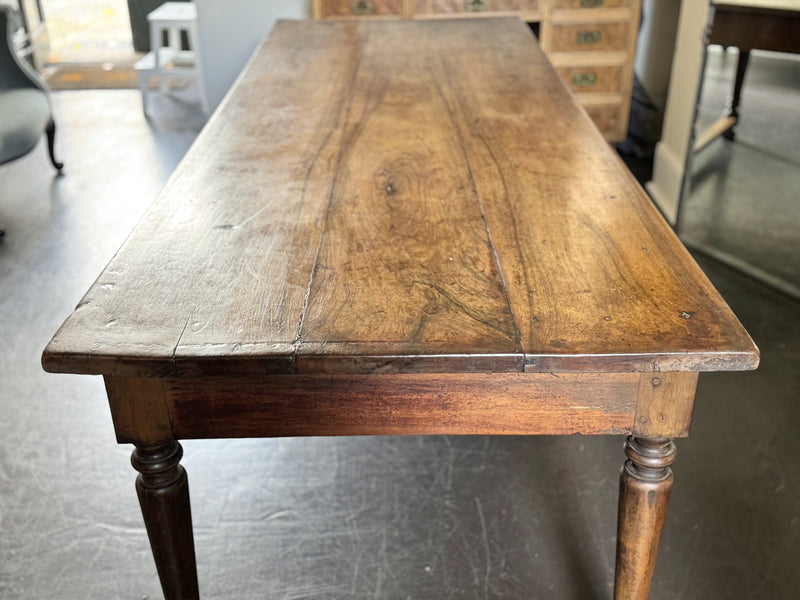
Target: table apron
[(151, 411)]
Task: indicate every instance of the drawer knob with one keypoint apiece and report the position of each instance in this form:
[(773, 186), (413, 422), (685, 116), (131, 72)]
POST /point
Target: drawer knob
[(588, 37), (584, 79), (362, 7), (592, 3), (475, 5)]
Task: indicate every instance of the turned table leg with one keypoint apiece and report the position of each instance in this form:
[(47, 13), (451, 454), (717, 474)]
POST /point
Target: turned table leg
[(645, 483), (163, 491)]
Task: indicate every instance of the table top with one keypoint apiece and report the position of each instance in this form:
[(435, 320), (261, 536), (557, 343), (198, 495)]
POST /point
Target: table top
[(765, 4), (405, 196)]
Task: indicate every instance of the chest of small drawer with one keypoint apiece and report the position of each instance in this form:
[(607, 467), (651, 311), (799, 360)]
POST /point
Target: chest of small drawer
[(431, 8), (610, 119), (359, 8)]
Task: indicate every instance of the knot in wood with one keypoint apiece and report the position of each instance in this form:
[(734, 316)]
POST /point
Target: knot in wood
[(158, 466), (649, 459)]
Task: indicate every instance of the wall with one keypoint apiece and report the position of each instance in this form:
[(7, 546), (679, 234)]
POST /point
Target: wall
[(229, 32), (655, 47), (671, 152)]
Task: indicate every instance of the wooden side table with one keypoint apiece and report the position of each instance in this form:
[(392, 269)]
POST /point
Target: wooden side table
[(772, 25), (590, 42), (401, 227)]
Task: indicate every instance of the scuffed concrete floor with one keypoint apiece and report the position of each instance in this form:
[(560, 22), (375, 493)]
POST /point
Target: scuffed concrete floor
[(391, 518)]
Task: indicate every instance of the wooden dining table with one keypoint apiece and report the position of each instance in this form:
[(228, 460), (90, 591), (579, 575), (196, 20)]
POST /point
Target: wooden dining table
[(391, 228)]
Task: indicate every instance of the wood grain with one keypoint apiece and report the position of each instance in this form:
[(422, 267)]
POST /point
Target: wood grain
[(664, 407), (644, 490), (220, 264), (591, 267), (406, 264), (509, 404), (401, 196), (163, 490), (140, 410)]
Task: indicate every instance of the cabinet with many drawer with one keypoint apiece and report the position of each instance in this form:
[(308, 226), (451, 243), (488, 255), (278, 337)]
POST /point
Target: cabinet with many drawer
[(591, 43)]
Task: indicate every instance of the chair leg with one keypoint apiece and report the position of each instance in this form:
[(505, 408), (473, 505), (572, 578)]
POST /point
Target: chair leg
[(51, 138), (144, 89)]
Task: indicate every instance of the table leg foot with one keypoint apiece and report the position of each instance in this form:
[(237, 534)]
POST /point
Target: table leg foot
[(645, 484), (163, 490)]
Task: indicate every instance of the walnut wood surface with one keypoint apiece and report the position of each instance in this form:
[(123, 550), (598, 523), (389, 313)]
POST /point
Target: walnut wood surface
[(151, 411), (645, 485), (402, 404), (664, 406), (163, 490), (400, 196)]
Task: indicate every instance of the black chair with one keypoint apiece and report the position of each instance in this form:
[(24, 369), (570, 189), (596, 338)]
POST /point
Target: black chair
[(25, 110)]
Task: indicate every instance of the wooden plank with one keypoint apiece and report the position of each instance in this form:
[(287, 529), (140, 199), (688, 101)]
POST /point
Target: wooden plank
[(220, 263), (501, 403), (405, 266), (591, 267)]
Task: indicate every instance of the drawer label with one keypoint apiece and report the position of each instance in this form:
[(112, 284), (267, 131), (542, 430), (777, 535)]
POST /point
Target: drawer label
[(475, 5), (584, 79), (588, 37), (362, 7)]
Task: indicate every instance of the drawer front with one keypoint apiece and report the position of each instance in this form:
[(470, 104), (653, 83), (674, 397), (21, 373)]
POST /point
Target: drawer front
[(590, 3), (432, 7), (592, 79), (588, 37), (607, 118), (362, 8)]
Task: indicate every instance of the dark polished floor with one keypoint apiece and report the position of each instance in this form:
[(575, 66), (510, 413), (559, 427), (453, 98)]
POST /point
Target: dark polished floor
[(340, 518)]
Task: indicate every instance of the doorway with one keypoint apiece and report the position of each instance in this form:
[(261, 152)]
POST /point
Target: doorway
[(90, 44)]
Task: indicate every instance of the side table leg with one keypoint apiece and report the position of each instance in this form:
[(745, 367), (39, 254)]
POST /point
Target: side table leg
[(163, 490), (733, 101), (645, 484)]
